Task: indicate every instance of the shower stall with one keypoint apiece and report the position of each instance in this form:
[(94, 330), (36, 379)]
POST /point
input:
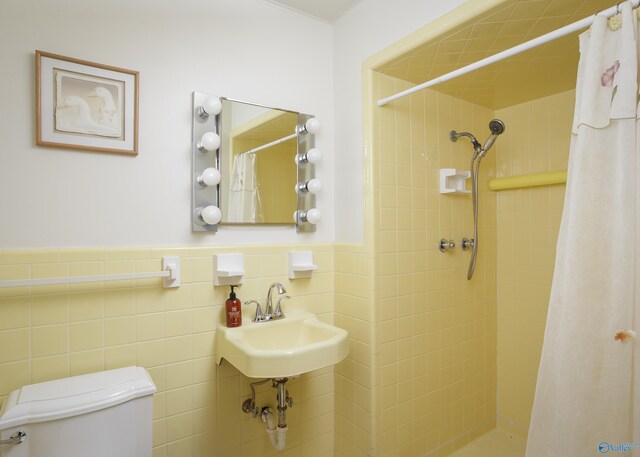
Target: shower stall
[(459, 354), (445, 359)]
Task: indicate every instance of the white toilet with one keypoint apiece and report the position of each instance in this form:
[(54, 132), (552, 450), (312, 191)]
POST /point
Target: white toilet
[(105, 414)]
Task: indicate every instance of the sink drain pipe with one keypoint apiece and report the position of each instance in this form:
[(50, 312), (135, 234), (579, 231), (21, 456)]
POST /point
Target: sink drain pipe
[(278, 435), (277, 431)]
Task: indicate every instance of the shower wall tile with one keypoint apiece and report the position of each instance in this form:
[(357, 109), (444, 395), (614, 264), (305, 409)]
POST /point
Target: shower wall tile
[(435, 345), (536, 140), (51, 332), (353, 377)]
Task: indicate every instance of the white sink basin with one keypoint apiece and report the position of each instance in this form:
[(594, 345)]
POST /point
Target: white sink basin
[(278, 349)]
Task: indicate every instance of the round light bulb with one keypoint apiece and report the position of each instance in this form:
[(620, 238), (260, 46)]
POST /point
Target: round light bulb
[(212, 106), (211, 214), (314, 185), (209, 177), (313, 155), (210, 141), (313, 216), (312, 125)]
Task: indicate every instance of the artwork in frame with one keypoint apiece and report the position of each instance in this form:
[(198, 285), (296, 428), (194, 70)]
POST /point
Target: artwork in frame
[(85, 105)]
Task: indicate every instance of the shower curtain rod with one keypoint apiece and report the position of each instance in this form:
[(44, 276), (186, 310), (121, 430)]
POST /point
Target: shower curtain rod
[(268, 145), (566, 30)]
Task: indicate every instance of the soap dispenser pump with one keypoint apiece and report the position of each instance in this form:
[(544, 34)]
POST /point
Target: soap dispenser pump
[(234, 310)]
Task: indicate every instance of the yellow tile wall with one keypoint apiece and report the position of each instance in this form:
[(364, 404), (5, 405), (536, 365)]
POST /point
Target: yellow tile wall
[(353, 376), (536, 140), (49, 332), (434, 349)]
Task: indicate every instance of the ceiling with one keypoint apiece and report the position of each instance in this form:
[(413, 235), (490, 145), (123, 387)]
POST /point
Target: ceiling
[(326, 10), (545, 70)]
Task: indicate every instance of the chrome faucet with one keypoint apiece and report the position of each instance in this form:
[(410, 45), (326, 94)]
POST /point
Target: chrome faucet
[(279, 314), (281, 290), (259, 317), (269, 314)]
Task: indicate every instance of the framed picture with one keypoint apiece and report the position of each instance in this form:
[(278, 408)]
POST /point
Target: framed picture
[(85, 105)]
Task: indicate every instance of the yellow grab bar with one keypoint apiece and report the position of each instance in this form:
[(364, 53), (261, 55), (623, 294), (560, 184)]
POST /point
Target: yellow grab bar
[(536, 179)]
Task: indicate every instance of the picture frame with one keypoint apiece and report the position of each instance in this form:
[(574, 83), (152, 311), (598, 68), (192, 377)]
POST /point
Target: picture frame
[(84, 105)]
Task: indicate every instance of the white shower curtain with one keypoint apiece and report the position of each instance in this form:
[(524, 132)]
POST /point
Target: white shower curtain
[(244, 199), (587, 394)]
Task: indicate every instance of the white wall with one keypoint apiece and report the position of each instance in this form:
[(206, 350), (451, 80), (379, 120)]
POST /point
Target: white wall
[(366, 29), (243, 49)]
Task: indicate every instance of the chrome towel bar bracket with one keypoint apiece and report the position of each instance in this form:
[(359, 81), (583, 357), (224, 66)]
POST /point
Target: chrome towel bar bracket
[(17, 438)]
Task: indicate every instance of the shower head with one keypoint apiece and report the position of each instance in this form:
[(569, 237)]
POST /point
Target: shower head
[(497, 128)]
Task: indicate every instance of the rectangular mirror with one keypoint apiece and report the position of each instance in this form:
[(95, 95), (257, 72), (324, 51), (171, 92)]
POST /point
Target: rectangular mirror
[(252, 164), (258, 164)]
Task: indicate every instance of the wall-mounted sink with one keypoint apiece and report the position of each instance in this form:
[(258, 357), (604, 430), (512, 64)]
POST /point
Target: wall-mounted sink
[(277, 349)]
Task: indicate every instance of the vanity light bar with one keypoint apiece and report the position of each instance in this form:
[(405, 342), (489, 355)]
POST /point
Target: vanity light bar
[(205, 197), (307, 216)]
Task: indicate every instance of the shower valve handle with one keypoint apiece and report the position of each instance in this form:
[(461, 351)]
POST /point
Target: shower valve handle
[(446, 245), (467, 243)]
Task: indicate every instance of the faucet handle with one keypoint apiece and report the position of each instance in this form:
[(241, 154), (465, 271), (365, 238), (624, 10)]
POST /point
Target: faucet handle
[(259, 317), (279, 313)]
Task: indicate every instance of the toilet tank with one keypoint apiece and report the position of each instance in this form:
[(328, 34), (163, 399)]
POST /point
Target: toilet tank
[(104, 414)]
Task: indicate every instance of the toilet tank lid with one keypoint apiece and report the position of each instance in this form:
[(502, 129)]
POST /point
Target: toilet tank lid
[(75, 395)]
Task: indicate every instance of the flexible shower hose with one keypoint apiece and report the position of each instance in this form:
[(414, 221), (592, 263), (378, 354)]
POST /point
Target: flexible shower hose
[(475, 174)]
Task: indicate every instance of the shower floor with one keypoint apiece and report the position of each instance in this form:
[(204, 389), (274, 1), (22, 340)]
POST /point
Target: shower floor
[(496, 443)]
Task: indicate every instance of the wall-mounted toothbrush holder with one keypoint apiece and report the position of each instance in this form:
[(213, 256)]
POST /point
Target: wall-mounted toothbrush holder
[(228, 269), (454, 181), (301, 264)]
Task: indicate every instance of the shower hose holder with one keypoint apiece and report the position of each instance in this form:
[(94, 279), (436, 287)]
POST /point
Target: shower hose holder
[(453, 181)]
